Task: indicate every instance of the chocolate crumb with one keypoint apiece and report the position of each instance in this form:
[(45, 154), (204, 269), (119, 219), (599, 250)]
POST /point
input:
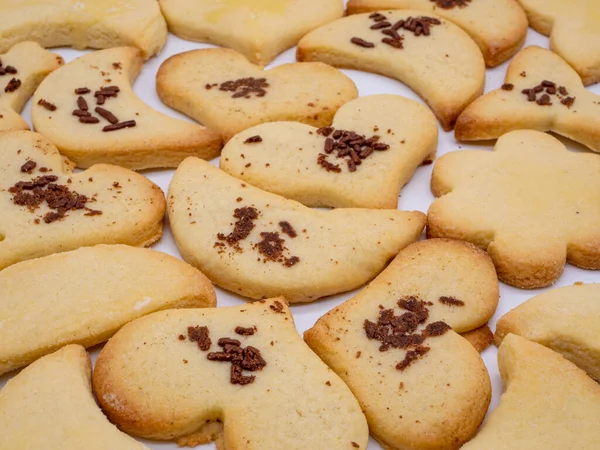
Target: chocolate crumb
[(508, 87), (451, 301), (354, 444), (412, 356), (245, 87), (82, 91), (181, 337), (544, 100), (253, 139), (116, 65), (245, 331), (13, 85), (288, 229), (49, 106), (568, 101), (28, 166), (523, 74), (242, 227), (277, 306), (449, 4), (248, 358), (200, 335)]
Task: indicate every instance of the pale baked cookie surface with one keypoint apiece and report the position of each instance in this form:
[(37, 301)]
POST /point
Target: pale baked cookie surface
[(46, 208), (50, 405), (541, 92), (574, 30), (83, 24), (499, 27), (224, 91), (531, 203), (395, 344), (429, 54), (324, 167), (548, 402), (22, 69), (259, 29), (260, 245), (93, 116), (566, 319), (244, 367), (84, 296)]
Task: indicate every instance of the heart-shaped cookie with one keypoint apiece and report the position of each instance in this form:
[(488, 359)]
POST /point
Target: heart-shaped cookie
[(89, 111), (362, 161), (83, 23), (222, 90), (22, 69), (431, 55), (46, 208), (259, 29)]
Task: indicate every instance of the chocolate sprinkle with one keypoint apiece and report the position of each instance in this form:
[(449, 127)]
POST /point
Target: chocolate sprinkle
[(28, 166), (361, 42), (82, 91), (120, 125), (106, 115), (88, 119), (201, 336), (508, 87), (49, 106), (242, 227), (288, 229), (248, 358), (245, 87), (12, 85), (277, 306), (245, 331), (551, 89), (272, 248), (82, 104), (449, 4), (451, 301)]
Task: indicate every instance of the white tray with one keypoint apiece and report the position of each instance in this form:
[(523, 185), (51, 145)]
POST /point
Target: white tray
[(415, 196)]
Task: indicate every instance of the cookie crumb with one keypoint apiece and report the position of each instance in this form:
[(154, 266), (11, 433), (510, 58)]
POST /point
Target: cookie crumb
[(253, 140)]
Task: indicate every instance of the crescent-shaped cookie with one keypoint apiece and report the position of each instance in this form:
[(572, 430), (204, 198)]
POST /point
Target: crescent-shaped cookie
[(499, 27), (84, 296), (259, 29), (259, 244), (395, 344), (46, 208), (431, 55), (540, 92), (239, 375), (89, 111), (50, 405), (567, 320), (548, 402), (22, 69), (361, 161), (531, 203), (84, 24), (225, 92)]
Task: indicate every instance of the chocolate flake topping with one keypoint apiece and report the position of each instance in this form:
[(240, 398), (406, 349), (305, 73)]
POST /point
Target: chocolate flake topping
[(28, 166), (450, 4), (550, 89), (242, 228), (13, 85), (241, 358), (347, 145), (288, 229), (419, 26), (402, 331), (201, 336), (253, 140), (245, 331), (49, 106), (245, 87), (451, 301), (271, 246)]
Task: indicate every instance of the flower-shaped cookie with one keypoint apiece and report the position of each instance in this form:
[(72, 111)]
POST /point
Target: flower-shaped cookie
[(540, 92), (531, 203), (372, 149)]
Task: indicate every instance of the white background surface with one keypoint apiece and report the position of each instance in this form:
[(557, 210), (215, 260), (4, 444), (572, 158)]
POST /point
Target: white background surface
[(415, 196)]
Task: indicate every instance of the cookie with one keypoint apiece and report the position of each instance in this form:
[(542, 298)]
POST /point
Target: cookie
[(531, 203), (574, 30), (480, 338), (222, 90), (21, 71), (46, 208), (50, 405), (258, 29), (548, 402), (429, 54), (84, 296), (208, 367), (565, 320), (395, 344), (324, 167), (84, 24), (499, 27), (260, 245), (90, 112), (540, 92)]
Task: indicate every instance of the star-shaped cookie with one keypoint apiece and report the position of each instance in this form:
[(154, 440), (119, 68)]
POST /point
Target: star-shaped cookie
[(89, 111), (499, 27), (370, 152), (225, 92), (22, 69), (420, 384), (540, 92), (531, 203), (574, 30)]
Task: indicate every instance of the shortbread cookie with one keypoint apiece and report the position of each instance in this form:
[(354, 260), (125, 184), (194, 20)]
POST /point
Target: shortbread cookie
[(531, 203), (90, 112), (372, 149), (420, 384), (260, 245), (222, 90), (259, 29), (86, 295), (46, 208), (22, 69), (574, 30), (83, 24), (567, 320), (243, 366), (548, 403), (480, 338), (431, 55), (540, 92), (50, 405), (499, 27)]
